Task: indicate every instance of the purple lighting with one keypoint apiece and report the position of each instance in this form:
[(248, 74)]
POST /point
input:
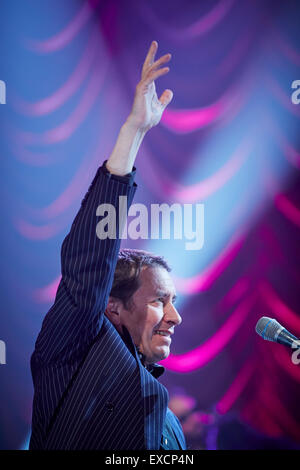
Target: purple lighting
[(203, 354)]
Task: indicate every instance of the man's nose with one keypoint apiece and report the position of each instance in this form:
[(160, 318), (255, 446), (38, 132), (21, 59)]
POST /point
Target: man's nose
[(171, 315)]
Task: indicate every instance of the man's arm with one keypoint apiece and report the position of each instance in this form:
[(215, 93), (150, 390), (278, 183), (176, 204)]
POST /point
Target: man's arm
[(88, 263)]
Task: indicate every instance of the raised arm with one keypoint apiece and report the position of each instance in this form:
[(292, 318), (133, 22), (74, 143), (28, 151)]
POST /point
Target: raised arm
[(88, 263)]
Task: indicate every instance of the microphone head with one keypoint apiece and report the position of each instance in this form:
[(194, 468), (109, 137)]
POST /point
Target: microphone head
[(268, 328)]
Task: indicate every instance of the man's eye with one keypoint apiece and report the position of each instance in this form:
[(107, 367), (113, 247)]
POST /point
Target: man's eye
[(159, 300)]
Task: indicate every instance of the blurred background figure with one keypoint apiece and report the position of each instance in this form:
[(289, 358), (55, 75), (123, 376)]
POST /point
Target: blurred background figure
[(212, 431)]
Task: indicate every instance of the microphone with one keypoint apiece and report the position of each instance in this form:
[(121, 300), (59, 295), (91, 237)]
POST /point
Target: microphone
[(271, 330)]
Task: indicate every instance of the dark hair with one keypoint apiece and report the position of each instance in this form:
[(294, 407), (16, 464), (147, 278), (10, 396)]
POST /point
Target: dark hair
[(129, 265)]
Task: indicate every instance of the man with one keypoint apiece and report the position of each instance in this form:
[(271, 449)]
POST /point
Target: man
[(94, 364)]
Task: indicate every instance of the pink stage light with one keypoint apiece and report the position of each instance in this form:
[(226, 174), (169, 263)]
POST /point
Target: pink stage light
[(236, 388), (47, 294), (203, 354), (289, 318), (203, 281), (288, 209), (70, 86), (61, 39)]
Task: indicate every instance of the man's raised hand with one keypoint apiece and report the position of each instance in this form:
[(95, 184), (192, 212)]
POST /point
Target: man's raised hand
[(146, 112), (147, 109)]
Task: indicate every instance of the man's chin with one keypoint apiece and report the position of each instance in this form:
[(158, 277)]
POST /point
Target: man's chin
[(162, 353), (157, 353)]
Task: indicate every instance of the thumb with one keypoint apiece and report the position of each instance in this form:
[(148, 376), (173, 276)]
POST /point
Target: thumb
[(166, 97)]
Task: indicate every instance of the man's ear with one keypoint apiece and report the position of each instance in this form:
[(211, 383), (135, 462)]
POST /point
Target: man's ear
[(113, 311)]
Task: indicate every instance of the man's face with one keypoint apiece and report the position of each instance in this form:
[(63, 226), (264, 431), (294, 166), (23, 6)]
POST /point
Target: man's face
[(152, 317)]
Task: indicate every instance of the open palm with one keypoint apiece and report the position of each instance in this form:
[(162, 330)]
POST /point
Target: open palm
[(147, 109)]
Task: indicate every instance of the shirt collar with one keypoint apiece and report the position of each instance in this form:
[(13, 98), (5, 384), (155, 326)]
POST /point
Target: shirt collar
[(156, 370)]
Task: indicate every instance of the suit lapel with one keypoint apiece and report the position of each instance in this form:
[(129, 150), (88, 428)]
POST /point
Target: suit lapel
[(155, 397)]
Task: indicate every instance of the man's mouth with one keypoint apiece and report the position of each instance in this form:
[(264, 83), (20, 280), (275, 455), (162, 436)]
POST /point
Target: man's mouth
[(163, 333)]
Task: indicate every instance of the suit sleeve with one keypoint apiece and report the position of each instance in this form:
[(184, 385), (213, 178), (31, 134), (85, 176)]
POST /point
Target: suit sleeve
[(88, 264)]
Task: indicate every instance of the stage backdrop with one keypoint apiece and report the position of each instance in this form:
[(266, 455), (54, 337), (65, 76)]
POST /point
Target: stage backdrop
[(229, 140)]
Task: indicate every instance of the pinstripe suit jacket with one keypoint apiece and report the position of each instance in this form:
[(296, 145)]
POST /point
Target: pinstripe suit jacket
[(91, 390)]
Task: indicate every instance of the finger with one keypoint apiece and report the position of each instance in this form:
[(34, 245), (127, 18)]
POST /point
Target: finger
[(151, 54), (155, 74), (162, 60), (166, 97)]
